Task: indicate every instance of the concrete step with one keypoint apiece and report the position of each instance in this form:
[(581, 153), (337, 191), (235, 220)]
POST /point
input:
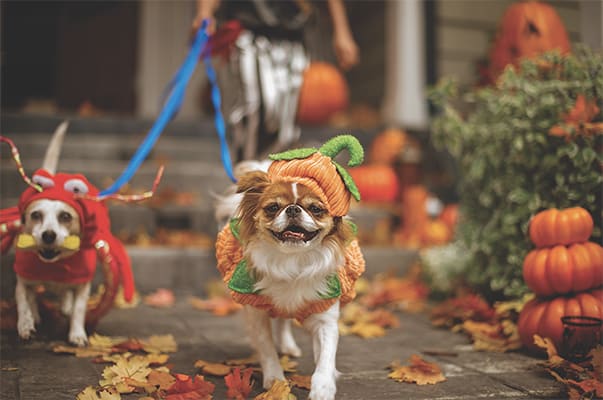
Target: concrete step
[(96, 146), (189, 176), (185, 270)]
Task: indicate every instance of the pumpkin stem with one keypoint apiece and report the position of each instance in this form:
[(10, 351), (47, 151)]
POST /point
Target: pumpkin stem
[(335, 145)]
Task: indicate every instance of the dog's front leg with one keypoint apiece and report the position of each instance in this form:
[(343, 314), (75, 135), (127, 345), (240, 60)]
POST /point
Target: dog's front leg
[(260, 333), (77, 330), (325, 336), (284, 338), (26, 310)]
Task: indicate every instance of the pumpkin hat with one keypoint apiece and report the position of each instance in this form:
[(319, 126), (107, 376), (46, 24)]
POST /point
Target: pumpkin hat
[(316, 169)]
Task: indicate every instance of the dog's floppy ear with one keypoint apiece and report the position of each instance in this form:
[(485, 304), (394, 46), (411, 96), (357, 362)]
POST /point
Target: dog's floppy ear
[(253, 182)]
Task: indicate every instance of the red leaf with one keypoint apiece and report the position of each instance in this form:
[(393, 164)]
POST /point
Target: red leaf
[(186, 388), (239, 386)]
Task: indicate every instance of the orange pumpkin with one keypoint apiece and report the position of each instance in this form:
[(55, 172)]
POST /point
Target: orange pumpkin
[(324, 92), (543, 316), (553, 227), (527, 29), (376, 182), (387, 146), (561, 269)]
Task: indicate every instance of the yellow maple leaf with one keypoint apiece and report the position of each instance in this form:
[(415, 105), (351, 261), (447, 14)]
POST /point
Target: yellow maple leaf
[(101, 341), (367, 330), (497, 336), (419, 371), (136, 368), (90, 393), (280, 390), (160, 344)]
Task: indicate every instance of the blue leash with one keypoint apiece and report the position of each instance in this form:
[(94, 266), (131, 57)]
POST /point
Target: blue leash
[(175, 95)]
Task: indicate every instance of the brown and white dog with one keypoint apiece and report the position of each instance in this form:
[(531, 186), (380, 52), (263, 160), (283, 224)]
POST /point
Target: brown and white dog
[(52, 224), (292, 247)]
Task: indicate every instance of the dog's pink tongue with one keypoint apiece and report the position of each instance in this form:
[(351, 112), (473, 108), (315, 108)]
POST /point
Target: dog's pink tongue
[(293, 235)]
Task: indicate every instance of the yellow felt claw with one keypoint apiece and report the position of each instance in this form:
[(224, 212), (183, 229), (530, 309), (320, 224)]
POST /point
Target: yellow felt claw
[(25, 241), (71, 243)]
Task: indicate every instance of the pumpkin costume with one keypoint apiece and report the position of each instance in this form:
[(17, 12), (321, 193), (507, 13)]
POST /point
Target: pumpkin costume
[(315, 169)]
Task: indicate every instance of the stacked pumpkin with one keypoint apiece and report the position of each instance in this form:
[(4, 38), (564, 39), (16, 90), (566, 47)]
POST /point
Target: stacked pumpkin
[(565, 271)]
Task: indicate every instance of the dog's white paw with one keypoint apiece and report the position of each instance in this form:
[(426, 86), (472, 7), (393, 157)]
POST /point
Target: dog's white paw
[(78, 337), (323, 387), (26, 328), (270, 377)]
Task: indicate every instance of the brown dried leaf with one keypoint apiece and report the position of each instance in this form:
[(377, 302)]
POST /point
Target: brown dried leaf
[(499, 336), (82, 352), (301, 381), (214, 369), (457, 310), (251, 360), (419, 371), (367, 330), (161, 379)]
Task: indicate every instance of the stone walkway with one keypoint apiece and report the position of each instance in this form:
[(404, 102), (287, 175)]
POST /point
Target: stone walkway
[(30, 371)]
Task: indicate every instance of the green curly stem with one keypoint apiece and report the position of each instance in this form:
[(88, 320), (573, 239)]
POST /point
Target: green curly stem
[(335, 145)]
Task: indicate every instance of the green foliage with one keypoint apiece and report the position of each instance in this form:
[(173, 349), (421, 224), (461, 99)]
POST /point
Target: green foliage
[(511, 167)]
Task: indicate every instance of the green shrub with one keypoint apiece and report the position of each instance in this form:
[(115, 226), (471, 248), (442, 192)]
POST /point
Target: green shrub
[(510, 167)]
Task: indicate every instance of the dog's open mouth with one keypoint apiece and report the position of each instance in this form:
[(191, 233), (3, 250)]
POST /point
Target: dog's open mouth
[(294, 233), (48, 254)]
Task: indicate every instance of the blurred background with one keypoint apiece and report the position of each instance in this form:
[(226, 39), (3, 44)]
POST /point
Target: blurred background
[(104, 65)]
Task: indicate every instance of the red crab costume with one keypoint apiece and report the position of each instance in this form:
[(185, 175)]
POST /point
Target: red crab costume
[(95, 242)]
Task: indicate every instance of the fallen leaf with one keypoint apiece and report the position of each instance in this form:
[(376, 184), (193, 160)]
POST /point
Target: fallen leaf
[(251, 360), (301, 381), (133, 368), (498, 336), (210, 368), (280, 390), (546, 344), (419, 371), (459, 309), (389, 289), (161, 298), (239, 385), (160, 344), (162, 380), (90, 393), (187, 388), (288, 364), (367, 330), (121, 302), (82, 352), (100, 341), (220, 306)]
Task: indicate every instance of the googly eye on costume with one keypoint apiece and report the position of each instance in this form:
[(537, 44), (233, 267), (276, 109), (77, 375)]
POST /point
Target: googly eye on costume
[(43, 181), (76, 186)]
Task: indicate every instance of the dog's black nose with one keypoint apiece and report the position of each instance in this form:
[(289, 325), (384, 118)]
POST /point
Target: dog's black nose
[(49, 237), (292, 210)]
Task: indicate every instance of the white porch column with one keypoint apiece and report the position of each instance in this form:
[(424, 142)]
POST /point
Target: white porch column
[(405, 98), (163, 41)]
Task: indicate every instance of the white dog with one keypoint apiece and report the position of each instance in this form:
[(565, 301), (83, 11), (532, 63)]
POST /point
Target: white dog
[(287, 255), (51, 228)]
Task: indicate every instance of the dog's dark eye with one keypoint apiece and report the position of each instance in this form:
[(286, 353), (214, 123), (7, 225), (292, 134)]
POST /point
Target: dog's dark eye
[(314, 209), (36, 216), (271, 208), (65, 217)]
